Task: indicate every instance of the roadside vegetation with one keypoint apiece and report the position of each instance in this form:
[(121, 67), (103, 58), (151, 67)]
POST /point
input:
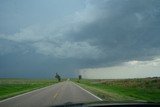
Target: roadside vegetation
[(12, 87), (147, 89)]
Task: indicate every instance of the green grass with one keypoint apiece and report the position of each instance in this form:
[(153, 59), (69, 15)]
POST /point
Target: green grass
[(123, 90), (12, 87)]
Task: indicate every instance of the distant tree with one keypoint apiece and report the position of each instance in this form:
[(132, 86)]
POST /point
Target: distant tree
[(58, 77), (80, 77)]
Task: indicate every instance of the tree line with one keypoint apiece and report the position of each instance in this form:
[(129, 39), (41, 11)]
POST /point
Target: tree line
[(58, 77)]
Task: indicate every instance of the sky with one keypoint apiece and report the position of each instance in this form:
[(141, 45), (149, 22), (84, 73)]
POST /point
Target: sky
[(100, 39)]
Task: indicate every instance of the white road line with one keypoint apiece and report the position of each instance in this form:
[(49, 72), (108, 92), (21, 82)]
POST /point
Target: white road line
[(87, 91), (24, 94)]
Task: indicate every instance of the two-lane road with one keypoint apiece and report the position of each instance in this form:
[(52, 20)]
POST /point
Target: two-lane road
[(56, 94)]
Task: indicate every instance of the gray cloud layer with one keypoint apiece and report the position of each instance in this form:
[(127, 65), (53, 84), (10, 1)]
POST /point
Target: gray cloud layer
[(104, 33)]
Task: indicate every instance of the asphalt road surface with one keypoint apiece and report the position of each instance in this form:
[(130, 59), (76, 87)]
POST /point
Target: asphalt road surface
[(57, 94)]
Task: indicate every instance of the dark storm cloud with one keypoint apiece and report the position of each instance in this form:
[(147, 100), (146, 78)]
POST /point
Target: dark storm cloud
[(125, 29), (104, 33)]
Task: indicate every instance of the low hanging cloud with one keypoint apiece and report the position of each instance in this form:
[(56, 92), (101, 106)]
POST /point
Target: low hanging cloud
[(54, 44), (68, 50), (104, 33)]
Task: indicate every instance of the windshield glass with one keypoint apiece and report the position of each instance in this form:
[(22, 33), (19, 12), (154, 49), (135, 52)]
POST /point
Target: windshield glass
[(55, 52)]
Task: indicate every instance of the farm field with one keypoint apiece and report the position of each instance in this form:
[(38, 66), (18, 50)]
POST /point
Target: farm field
[(12, 87), (147, 89)]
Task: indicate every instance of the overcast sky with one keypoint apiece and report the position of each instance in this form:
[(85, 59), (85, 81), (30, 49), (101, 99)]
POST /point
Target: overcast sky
[(94, 38)]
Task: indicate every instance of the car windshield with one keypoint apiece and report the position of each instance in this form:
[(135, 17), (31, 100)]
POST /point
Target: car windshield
[(61, 52)]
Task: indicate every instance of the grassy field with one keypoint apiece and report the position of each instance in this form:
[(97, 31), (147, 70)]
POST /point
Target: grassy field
[(147, 89), (12, 87)]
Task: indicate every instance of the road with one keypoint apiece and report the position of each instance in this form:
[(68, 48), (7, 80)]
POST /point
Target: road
[(56, 94)]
